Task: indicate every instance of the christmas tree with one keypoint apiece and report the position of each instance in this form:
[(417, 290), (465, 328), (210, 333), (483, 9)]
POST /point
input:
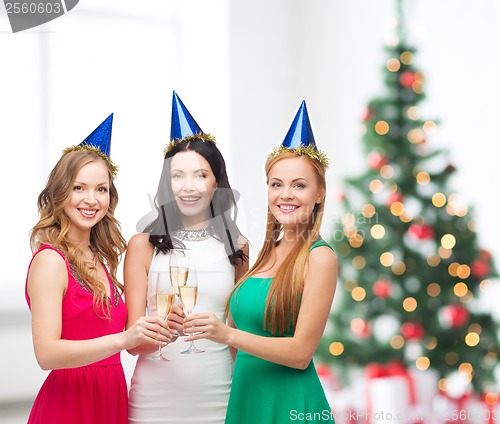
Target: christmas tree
[(411, 271)]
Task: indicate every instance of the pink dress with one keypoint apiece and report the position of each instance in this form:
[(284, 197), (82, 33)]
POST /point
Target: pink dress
[(95, 393)]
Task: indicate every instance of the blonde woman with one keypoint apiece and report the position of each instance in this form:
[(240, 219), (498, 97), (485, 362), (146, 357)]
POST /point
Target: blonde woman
[(78, 315), (279, 309)]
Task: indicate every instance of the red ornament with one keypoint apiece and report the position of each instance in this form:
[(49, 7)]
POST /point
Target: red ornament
[(485, 255), (382, 288), (377, 160), (420, 231), (412, 331), (360, 328), (394, 197), (454, 316), (407, 78), (480, 268), (367, 114)]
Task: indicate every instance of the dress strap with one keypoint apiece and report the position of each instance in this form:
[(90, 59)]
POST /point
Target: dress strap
[(318, 243)]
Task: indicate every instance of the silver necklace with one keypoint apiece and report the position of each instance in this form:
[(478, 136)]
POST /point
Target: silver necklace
[(193, 235)]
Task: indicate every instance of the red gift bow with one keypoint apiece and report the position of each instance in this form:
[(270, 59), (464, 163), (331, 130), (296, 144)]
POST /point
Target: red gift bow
[(489, 406), (460, 405), (392, 369)]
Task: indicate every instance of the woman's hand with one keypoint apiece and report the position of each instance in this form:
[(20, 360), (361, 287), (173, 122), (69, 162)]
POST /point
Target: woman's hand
[(206, 326), (150, 329), (175, 319)]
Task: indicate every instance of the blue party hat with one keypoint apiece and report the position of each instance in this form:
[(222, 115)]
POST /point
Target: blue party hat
[(99, 141), (300, 139), (100, 138), (183, 124), (300, 133), (183, 127)]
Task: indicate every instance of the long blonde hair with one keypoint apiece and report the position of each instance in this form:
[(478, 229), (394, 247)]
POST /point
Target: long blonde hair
[(106, 240), (283, 300)]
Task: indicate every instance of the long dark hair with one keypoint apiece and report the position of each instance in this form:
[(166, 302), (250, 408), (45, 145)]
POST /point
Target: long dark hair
[(223, 208)]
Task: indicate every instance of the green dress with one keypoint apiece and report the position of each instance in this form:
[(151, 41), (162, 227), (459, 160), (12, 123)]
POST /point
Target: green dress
[(264, 392)]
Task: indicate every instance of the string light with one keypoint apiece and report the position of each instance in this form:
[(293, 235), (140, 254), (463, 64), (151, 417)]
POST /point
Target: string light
[(413, 113), (397, 342), (423, 363), (463, 271), (336, 348), (376, 186), (416, 136), (358, 294), (423, 178), (409, 304), (387, 171), (472, 339), (356, 240), (448, 241), (397, 208), (368, 210), (382, 127), (387, 259), (484, 285), (443, 384), (406, 216), (460, 289), (444, 253), (475, 328), (377, 231), (406, 57), (398, 268), (350, 285), (433, 260), (359, 262), (431, 343), (433, 289), (438, 200), (393, 65), (418, 84), (429, 127), (452, 268)]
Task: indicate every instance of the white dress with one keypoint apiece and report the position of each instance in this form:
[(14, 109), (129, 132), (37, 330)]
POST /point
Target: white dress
[(192, 388)]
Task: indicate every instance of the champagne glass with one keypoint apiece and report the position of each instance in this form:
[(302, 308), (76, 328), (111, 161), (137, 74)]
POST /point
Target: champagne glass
[(179, 270), (165, 296), (189, 294)]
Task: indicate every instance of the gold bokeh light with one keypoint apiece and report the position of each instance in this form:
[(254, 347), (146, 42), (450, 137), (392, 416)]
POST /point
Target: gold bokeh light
[(393, 65), (438, 200), (409, 304), (358, 294), (382, 127), (336, 348), (387, 259), (377, 231), (448, 241)]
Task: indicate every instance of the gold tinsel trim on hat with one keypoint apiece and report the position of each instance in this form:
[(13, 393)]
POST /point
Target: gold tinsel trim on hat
[(309, 151), (78, 148), (197, 136)]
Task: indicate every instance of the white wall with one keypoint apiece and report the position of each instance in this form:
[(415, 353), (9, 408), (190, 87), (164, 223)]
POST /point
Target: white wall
[(242, 68)]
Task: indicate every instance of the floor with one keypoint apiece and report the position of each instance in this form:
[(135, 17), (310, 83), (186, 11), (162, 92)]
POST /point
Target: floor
[(14, 413)]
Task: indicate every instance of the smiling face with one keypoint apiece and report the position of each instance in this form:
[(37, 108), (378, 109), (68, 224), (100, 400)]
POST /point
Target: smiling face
[(193, 183), (89, 199), (293, 192)]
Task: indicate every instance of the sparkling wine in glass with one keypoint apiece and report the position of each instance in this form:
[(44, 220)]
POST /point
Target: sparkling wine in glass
[(179, 271), (189, 295), (179, 267), (165, 296)]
